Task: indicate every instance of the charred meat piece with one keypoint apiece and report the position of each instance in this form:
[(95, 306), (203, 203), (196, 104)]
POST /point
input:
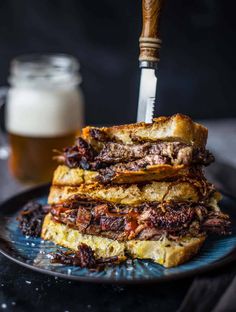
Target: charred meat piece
[(149, 233), (108, 173), (112, 223), (171, 219), (83, 257), (79, 155), (100, 210), (218, 223), (83, 219), (202, 156), (65, 215), (31, 218), (99, 135)]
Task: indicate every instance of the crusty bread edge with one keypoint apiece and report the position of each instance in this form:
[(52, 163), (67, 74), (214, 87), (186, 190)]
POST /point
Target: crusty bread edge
[(184, 130)]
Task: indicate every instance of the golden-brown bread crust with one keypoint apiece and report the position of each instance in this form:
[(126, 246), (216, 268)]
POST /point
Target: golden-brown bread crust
[(174, 128), (130, 194), (173, 254), (165, 252), (64, 176)]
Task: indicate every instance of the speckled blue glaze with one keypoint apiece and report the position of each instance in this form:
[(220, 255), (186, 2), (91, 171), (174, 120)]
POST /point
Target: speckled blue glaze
[(33, 252)]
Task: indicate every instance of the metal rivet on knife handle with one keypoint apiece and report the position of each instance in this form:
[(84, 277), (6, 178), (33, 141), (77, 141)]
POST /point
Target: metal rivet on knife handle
[(150, 42)]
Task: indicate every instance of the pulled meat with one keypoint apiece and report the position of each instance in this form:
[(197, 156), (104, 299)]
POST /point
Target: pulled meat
[(118, 156), (115, 152), (31, 218), (83, 218), (83, 257), (218, 223), (112, 223), (106, 174), (173, 152), (171, 219), (149, 220), (79, 155), (99, 135), (202, 156)]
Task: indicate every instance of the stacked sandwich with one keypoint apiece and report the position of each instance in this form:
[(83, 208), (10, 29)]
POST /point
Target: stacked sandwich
[(136, 190)]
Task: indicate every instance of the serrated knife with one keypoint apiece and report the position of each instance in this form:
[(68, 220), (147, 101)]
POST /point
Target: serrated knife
[(149, 43)]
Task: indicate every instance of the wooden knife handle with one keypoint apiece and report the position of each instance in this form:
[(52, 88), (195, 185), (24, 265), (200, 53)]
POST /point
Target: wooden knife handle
[(149, 42)]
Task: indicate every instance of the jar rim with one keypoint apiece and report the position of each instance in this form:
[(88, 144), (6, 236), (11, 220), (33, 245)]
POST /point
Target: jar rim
[(58, 60), (43, 66)]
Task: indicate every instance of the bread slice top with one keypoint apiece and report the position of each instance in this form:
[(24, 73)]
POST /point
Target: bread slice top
[(164, 251), (174, 128)]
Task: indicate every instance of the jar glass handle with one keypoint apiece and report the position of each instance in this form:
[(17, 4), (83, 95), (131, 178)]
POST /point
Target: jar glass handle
[(4, 147)]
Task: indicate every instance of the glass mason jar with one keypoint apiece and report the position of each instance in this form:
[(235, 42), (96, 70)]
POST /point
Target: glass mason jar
[(44, 112)]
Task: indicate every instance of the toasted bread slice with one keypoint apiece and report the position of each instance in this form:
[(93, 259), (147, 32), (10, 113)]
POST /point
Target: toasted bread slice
[(64, 176), (131, 194), (165, 252), (174, 128)]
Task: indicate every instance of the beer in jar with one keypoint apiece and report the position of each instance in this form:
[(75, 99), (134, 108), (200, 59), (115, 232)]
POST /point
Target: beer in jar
[(44, 112)]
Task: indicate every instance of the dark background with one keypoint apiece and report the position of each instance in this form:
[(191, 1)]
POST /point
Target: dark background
[(197, 68)]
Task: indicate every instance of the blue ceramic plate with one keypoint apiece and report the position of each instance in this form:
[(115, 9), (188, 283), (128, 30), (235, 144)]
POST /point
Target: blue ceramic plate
[(33, 252)]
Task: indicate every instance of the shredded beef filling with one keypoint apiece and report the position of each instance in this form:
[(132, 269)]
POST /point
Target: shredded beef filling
[(107, 174), (175, 153), (218, 223), (120, 157), (146, 221)]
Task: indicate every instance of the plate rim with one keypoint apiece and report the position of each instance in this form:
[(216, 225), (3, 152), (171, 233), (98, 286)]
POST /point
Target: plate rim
[(43, 190)]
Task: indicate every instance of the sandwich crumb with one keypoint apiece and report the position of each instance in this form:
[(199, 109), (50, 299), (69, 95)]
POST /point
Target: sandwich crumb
[(31, 219), (83, 257)]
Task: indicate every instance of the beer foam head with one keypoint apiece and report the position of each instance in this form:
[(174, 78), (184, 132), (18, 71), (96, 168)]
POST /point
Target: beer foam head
[(43, 112)]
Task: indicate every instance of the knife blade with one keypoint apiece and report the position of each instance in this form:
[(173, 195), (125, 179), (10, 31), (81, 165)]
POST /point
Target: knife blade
[(148, 58), (147, 95)]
